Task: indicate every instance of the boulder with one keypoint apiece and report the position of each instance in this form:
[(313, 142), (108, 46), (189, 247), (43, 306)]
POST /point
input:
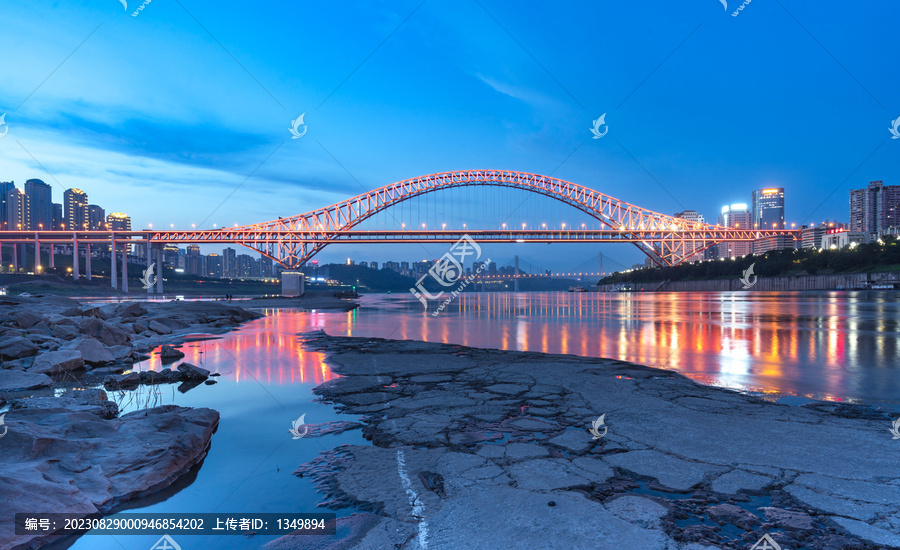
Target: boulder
[(39, 328), (122, 381), (107, 333), (13, 380), (93, 352), (120, 352), (17, 347), (169, 354), (192, 372), (65, 332), (26, 319), (130, 309), (57, 361), (95, 312), (159, 328), (91, 401), (164, 376), (140, 325)]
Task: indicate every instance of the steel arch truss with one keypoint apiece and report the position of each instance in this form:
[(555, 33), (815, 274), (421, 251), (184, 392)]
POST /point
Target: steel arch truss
[(293, 241)]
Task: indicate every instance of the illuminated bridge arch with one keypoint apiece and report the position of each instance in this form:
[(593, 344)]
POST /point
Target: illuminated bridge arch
[(294, 240)]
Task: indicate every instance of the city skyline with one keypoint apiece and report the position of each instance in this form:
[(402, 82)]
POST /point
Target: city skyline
[(87, 124)]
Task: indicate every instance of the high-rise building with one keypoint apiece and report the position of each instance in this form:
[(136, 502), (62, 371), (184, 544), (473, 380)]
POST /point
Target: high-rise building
[(75, 203), (692, 248), (875, 208), (229, 265), (244, 265), (58, 219), (5, 188), (768, 208), (266, 267), (735, 216), (118, 221), (40, 200), (170, 255), (18, 211), (96, 218), (373, 265), (214, 266)]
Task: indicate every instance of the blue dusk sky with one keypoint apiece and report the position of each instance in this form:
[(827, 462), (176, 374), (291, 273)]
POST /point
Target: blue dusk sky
[(179, 114)]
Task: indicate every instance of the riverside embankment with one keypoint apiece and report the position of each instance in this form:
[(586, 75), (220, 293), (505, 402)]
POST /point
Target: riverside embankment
[(802, 282), (476, 448)]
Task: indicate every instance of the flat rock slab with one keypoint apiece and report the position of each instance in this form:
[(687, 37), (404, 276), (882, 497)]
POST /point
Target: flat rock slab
[(13, 380), (740, 480), (77, 462), (481, 469), (638, 510), (671, 471), (506, 518)]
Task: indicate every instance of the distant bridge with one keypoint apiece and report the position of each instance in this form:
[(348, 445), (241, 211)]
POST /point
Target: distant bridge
[(295, 240)]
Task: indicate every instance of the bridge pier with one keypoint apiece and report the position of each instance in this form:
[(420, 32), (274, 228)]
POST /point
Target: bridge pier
[(87, 262), (125, 266), (517, 274), (37, 254), (159, 275), (75, 256), (149, 263), (15, 258), (112, 261), (52, 257)]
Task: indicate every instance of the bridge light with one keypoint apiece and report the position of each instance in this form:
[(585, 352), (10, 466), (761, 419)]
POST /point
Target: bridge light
[(523, 226), (582, 226), (403, 225), (504, 226)]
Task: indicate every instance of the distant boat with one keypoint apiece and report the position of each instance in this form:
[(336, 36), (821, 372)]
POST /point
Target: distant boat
[(578, 289)]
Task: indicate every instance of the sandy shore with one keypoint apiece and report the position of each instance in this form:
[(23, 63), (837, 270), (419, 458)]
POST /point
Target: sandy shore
[(490, 449)]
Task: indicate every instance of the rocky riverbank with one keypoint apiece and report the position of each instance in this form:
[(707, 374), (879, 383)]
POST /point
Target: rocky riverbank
[(65, 448), (491, 449)]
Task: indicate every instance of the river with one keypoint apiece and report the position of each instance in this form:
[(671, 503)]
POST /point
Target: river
[(790, 346)]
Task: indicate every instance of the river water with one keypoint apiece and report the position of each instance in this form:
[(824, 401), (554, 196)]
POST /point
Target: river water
[(792, 346)]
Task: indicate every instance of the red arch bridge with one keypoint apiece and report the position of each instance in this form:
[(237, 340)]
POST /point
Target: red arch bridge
[(295, 240)]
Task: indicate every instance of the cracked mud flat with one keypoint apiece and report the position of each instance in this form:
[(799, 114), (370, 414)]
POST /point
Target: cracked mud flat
[(478, 448)]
